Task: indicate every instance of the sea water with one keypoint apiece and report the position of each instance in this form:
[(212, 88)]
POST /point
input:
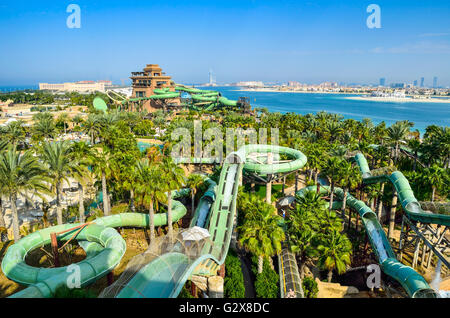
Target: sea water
[(422, 114)]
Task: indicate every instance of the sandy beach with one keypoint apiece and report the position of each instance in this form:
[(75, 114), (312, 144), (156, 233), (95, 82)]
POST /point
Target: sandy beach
[(360, 98), (263, 90), (400, 100)]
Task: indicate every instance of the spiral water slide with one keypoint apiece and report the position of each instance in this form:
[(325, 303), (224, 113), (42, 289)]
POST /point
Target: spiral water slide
[(103, 245)]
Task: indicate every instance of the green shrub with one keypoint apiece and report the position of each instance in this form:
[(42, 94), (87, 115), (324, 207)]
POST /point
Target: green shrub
[(310, 288), (119, 208), (266, 285), (66, 292), (234, 279), (185, 293)]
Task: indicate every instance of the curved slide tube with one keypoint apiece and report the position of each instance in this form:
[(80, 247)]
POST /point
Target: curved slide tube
[(170, 95), (103, 245), (172, 270), (405, 194), (207, 100), (166, 275), (413, 283)]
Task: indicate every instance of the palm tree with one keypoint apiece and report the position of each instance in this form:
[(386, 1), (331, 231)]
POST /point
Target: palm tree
[(415, 146), (15, 132), (63, 119), (437, 140), (3, 145), (334, 252), (314, 162), (60, 166), (392, 214), (350, 179), (44, 128), (262, 236), (339, 152), (91, 127), (3, 230), (334, 130), (333, 172), (82, 156), (103, 170), (397, 133), (302, 225), (311, 201), (194, 182), (78, 120), (435, 176), (372, 193), (174, 178), (150, 186), (20, 174), (380, 202)]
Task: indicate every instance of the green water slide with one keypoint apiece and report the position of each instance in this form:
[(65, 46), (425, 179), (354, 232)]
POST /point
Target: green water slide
[(206, 99), (413, 283), (192, 90), (165, 276), (169, 273), (170, 95), (406, 196), (222, 101), (103, 245), (160, 91)]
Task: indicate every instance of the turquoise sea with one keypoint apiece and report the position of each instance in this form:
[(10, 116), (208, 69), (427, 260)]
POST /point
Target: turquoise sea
[(422, 114), (6, 89)]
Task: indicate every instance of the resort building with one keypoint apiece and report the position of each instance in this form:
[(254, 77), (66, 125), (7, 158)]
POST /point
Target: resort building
[(250, 84), (81, 87), (144, 83)]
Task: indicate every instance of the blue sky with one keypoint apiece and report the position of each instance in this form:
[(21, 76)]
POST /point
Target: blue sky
[(279, 40)]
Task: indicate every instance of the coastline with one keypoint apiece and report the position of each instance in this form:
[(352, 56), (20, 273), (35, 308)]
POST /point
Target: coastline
[(400, 100), (360, 98), (294, 92)]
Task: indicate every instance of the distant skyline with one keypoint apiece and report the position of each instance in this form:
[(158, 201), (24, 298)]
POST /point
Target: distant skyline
[(240, 40)]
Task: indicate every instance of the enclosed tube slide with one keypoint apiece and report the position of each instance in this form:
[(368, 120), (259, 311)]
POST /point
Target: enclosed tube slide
[(405, 194), (413, 283)]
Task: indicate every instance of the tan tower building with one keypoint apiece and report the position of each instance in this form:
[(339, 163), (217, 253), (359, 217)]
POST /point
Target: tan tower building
[(146, 81)]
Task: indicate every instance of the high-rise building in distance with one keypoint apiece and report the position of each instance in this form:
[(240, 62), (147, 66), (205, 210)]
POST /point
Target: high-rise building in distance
[(212, 80), (435, 82), (415, 83), (382, 81), (398, 85), (422, 81)]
